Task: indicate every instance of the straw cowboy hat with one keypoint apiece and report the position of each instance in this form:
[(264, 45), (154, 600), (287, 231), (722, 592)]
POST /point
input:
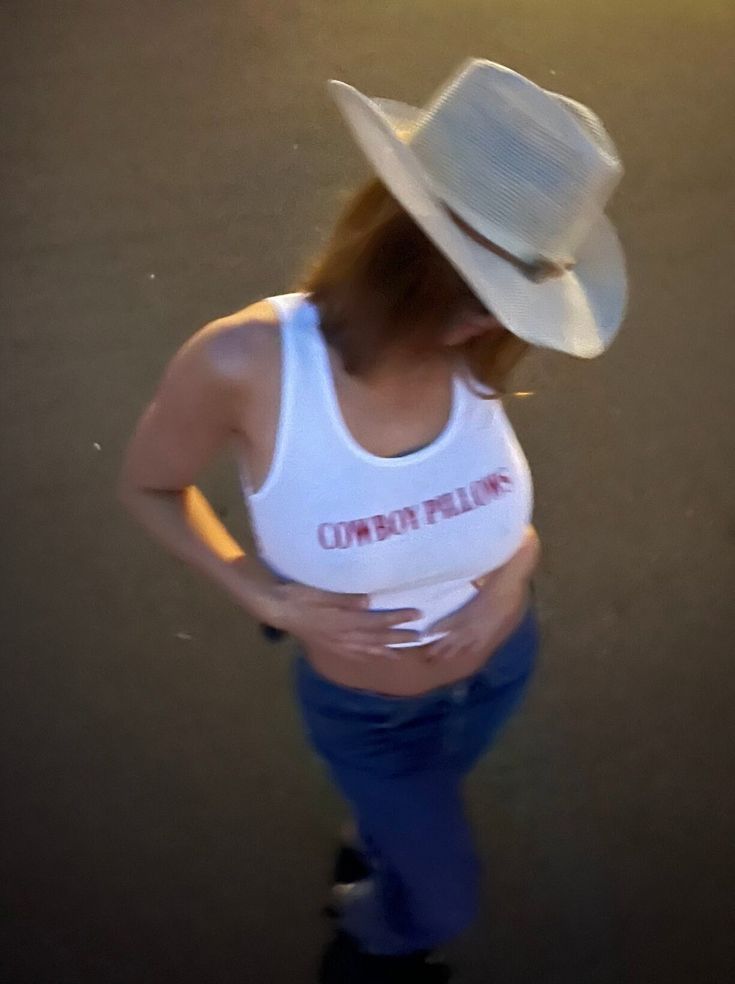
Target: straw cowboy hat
[(510, 181)]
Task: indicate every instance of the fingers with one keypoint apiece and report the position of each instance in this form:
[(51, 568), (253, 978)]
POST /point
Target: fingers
[(453, 652), (377, 641), (434, 652), (378, 646), (370, 650), (339, 599), (398, 636), (383, 652), (450, 647), (448, 653), (396, 616)]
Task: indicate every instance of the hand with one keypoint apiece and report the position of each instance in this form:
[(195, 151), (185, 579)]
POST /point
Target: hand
[(339, 625), (483, 624)]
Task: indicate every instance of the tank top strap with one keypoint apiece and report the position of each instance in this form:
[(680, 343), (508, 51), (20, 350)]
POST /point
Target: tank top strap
[(304, 407), (286, 304), (302, 358)]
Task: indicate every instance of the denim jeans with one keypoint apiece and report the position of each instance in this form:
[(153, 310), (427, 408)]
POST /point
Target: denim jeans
[(399, 762)]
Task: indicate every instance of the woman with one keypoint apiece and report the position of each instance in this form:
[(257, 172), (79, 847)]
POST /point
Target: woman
[(390, 500)]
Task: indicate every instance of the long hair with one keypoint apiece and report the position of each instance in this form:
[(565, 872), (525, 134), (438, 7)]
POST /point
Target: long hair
[(379, 280)]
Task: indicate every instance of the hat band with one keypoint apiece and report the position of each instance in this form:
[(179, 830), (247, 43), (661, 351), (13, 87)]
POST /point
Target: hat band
[(538, 271)]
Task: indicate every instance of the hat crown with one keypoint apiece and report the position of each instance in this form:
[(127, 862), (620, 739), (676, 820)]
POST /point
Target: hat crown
[(529, 169)]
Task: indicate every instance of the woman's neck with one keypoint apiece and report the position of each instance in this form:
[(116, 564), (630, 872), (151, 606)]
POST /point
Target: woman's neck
[(404, 368)]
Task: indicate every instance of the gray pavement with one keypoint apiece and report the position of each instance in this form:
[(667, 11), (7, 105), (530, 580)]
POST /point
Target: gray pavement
[(165, 821)]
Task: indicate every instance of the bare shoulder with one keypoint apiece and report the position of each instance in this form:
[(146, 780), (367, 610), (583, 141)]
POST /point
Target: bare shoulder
[(241, 346)]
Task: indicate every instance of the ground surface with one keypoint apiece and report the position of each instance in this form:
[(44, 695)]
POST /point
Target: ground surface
[(168, 163)]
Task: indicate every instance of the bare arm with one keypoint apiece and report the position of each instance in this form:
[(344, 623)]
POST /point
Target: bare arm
[(200, 402), (190, 419)]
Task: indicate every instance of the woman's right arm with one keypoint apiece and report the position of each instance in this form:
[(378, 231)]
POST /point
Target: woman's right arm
[(200, 403), (192, 416)]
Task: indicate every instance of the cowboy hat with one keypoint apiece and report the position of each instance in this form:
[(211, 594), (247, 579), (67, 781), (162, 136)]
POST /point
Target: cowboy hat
[(510, 182)]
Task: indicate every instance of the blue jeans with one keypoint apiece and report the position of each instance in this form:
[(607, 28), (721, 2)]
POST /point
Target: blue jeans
[(399, 762)]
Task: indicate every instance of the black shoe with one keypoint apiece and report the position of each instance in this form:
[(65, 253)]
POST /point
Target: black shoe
[(350, 865), (410, 970), (343, 962)]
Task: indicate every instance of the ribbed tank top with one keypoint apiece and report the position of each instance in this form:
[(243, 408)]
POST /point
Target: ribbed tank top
[(410, 531)]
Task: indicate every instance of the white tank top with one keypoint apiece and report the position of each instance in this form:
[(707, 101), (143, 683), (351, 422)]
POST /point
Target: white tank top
[(410, 531)]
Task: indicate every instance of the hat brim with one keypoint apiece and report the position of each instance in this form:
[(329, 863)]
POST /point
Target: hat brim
[(578, 312)]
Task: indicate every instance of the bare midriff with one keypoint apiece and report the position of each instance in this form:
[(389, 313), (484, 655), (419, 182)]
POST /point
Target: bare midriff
[(407, 672)]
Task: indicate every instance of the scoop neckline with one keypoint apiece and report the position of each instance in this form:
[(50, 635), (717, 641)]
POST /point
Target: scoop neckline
[(330, 392)]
